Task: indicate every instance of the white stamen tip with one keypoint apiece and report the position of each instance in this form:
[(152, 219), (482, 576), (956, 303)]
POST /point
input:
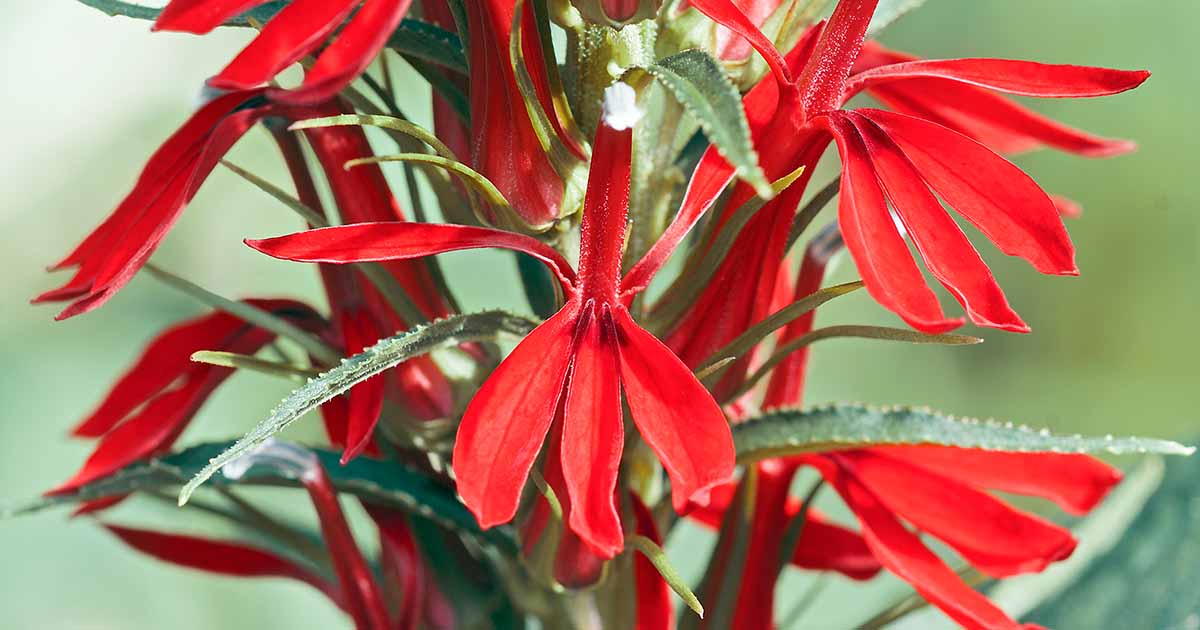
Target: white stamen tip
[(621, 111)]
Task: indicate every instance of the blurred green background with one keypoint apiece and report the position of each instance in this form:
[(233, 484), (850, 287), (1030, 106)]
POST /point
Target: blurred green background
[(87, 98)]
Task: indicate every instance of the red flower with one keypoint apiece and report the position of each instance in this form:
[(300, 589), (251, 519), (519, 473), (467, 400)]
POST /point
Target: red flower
[(300, 28), (898, 158), (156, 399), (583, 355), (941, 491)]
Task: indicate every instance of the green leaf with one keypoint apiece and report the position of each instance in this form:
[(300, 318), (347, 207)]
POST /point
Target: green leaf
[(477, 182), (888, 12), (787, 432), (385, 354), (254, 364), (700, 85), (412, 38), (658, 558), (390, 123), (385, 483), (1151, 578)]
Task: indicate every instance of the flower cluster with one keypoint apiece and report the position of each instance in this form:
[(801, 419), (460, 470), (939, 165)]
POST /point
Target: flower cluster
[(594, 170)]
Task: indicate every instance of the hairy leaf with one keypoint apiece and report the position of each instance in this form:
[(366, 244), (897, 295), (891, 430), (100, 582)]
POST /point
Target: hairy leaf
[(385, 354), (380, 482), (698, 83), (786, 432)]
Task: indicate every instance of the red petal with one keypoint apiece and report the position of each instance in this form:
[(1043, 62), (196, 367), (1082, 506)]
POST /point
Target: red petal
[(992, 536), (946, 251), (164, 360), (364, 600), (1068, 208), (111, 256), (350, 54), (653, 593), (1024, 78), (786, 387), (396, 240), (593, 436), (1003, 202), (676, 416), (147, 433), (1077, 483), (422, 605), (366, 398), (902, 553), (730, 15), (880, 253), (201, 16), (506, 422), (214, 556), (605, 213), (825, 546), (298, 29)]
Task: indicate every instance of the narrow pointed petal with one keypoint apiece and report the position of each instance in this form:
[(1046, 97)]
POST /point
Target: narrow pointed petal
[(902, 553), (396, 240), (215, 556), (149, 432), (823, 80), (676, 416), (728, 14), (363, 597), (1001, 200), (879, 251), (593, 436), (1076, 483), (201, 16), (1023, 78), (826, 546), (506, 422), (653, 593), (366, 398), (350, 53), (947, 253), (992, 536), (164, 360), (298, 29)]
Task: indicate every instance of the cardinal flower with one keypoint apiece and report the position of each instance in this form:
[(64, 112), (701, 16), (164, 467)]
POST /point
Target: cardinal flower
[(299, 29), (156, 399), (581, 357), (886, 157)]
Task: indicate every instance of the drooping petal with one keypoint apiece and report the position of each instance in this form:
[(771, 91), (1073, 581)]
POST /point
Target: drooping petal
[(593, 436), (1077, 483), (506, 422), (350, 53), (826, 546), (947, 253), (366, 398), (902, 553), (879, 251), (1001, 200), (162, 362), (394, 240), (1023, 78), (994, 537), (110, 256), (362, 595), (676, 416), (298, 29), (215, 556), (201, 16), (653, 593)]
